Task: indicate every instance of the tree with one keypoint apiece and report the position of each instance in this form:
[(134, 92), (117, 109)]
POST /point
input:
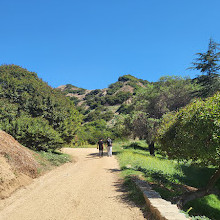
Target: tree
[(169, 94), (121, 126), (23, 95), (193, 133), (91, 132), (208, 64)]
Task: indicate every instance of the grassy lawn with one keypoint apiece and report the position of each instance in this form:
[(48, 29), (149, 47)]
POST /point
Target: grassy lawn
[(168, 177)]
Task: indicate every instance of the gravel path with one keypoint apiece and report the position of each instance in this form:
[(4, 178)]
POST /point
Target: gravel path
[(88, 189)]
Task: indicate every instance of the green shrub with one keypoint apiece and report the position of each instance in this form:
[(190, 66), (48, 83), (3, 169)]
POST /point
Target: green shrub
[(34, 133), (23, 94), (128, 78), (193, 132), (91, 132)]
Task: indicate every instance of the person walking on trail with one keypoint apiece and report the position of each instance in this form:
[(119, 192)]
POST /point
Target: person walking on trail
[(109, 147), (100, 145)]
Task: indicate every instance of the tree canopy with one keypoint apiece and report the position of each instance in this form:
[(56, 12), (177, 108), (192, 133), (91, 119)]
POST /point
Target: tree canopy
[(208, 64), (29, 106), (193, 133)]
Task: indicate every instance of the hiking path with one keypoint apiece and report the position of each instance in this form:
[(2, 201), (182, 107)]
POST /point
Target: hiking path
[(89, 188)]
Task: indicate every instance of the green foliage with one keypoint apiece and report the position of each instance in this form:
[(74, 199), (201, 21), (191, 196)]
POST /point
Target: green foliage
[(125, 109), (91, 132), (169, 94), (126, 80), (69, 86), (118, 98), (128, 77), (194, 132), (114, 87), (34, 133), (208, 64), (107, 116), (136, 124), (55, 158), (122, 126), (93, 94), (168, 177), (8, 111), (99, 114), (143, 127), (24, 98), (135, 193), (74, 100), (209, 206), (74, 90)]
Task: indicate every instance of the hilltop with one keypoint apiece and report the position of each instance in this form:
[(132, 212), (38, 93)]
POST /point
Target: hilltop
[(106, 101)]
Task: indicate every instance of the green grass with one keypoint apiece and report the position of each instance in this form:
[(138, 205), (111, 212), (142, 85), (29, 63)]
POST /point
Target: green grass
[(208, 204), (86, 146), (135, 195), (168, 177), (54, 158)]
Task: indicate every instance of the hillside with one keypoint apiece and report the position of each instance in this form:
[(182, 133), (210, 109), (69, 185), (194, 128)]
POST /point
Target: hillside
[(18, 165), (129, 107), (104, 102)]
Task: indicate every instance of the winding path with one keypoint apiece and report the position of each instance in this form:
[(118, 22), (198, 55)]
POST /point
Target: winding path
[(90, 189)]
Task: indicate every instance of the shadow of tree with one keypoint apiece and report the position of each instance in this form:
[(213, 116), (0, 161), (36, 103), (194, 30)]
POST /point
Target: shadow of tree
[(202, 207), (193, 177), (113, 170), (135, 146), (197, 176), (130, 194)]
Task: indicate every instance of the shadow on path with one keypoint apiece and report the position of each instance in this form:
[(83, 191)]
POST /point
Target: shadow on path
[(96, 155), (130, 195)]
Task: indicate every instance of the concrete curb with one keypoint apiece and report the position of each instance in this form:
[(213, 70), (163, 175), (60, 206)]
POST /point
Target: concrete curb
[(160, 209)]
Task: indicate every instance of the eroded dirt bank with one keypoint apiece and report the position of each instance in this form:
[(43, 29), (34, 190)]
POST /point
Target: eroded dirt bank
[(18, 166)]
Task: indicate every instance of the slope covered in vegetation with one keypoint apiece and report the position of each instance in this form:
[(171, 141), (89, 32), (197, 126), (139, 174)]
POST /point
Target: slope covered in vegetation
[(124, 108), (38, 116)]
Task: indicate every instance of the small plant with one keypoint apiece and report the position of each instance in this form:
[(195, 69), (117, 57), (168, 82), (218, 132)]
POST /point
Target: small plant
[(55, 158)]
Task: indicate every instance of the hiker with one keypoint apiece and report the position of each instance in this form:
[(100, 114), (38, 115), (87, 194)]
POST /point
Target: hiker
[(109, 146), (100, 147)]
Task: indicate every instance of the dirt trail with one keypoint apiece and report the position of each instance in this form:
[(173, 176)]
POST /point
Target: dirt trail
[(87, 189)]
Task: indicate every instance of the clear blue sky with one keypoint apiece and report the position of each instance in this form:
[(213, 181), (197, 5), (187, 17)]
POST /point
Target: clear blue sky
[(90, 43)]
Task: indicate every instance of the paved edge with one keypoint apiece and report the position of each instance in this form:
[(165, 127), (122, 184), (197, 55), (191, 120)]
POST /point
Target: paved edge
[(160, 209)]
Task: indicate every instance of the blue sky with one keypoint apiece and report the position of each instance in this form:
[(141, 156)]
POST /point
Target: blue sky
[(90, 43)]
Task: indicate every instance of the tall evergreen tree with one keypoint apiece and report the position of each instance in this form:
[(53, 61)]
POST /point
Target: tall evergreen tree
[(208, 64)]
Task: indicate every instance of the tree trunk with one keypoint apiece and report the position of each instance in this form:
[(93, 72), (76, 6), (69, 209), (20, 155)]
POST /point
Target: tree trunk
[(209, 189), (151, 148)]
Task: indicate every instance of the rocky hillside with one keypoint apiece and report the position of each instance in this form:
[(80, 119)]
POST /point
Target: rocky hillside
[(104, 103)]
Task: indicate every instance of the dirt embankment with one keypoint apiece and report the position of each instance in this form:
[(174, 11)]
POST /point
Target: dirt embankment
[(18, 166)]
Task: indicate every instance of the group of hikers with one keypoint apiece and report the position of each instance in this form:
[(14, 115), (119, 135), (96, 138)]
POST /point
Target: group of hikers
[(100, 146)]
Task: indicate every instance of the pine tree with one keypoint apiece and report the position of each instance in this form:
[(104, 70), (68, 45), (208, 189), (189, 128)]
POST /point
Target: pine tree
[(208, 64)]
